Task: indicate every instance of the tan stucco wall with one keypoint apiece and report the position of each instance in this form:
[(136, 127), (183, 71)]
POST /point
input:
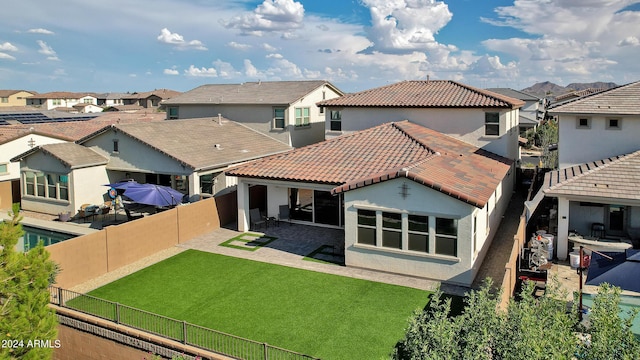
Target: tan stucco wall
[(84, 258), (5, 195)]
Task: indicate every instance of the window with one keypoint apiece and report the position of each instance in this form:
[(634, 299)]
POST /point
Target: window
[(419, 233), (30, 183), (51, 186), (583, 123), (56, 101), (206, 183), (392, 230), (63, 187), (475, 234), (336, 120), (302, 116), (278, 118), (4, 99), (492, 124), (4, 168), (88, 101), (446, 236), (116, 147), (613, 124), (366, 227), (321, 108), (173, 112)]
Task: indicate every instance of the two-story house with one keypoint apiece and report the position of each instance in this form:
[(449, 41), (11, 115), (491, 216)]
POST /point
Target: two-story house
[(63, 99), (14, 97), (531, 113), (479, 117), (597, 186), (284, 110)]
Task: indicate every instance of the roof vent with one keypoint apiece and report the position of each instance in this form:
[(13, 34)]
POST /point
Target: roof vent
[(219, 119), (217, 146)]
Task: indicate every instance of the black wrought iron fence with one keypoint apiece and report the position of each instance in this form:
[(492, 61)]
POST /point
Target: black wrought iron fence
[(173, 329)]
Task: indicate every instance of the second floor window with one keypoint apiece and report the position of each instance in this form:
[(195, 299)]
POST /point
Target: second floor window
[(302, 116), (492, 124), (57, 101), (278, 118), (336, 120)]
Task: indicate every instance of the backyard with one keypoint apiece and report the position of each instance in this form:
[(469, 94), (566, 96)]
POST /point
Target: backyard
[(321, 315)]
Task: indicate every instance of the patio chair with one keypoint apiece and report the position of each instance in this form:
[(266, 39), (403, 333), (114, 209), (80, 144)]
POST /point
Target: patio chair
[(131, 216), (256, 218), (283, 214)]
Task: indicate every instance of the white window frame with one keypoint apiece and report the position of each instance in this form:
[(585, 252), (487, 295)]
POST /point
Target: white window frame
[(492, 123), (303, 120), (617, 127), (276, 119), (6, 168), (43, 189), (578, 120), (335, 117)]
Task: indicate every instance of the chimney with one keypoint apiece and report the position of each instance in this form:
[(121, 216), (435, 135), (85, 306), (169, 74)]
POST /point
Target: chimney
[(219, 119)]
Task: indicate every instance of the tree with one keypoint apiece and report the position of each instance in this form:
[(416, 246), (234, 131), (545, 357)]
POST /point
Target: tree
[(531, 328), (24, 296)]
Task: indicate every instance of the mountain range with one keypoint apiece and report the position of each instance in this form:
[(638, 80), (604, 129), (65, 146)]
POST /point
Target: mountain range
[(546, 88)]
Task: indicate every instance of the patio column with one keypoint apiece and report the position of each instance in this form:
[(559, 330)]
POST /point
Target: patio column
[(563, 228), (243, 206)]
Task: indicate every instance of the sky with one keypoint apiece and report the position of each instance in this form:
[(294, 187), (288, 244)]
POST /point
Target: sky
[(124, 46)]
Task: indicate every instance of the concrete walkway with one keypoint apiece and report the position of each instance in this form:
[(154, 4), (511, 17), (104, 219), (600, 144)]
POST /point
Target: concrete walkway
[(288, 251)]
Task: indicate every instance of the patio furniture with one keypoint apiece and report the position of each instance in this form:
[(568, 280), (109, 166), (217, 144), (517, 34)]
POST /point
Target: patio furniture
[(256, 218), (131, 216), (283, 214), (597, 230), (87, 210)]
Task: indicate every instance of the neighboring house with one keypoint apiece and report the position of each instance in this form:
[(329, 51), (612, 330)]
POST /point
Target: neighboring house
[(52, 100), (188, 155), (284, 110), (87, 108), (572, 95), (150, 99), (597, 155), (19, 138), (14, 141), (111, 99), (604, 192), (124, 108), (482, 118), (411, 200), (531, 113), (14, 97), (599, 125)]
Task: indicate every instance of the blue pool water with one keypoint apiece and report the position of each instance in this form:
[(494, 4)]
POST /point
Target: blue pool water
[(32, 235), (626, 303)]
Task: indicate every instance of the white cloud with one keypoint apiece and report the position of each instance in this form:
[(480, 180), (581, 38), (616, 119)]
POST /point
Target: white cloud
[(201, 72), (270, 16), (251, 71), (40, 31), (47, 50), (405, 25), (7, 46), (170, 72), (274, 56), (177, 40), (239, 46), (268, 47), (6, 56), (225, 69), (629, 41)]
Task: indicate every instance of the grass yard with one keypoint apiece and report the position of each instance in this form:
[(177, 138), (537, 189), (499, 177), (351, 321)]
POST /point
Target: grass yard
[(322, 315)]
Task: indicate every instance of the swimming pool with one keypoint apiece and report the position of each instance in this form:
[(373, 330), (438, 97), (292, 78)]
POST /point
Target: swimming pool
[(627, 303), (32, 235)]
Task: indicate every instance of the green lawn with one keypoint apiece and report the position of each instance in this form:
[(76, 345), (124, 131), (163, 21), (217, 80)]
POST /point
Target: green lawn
[(322, 315)]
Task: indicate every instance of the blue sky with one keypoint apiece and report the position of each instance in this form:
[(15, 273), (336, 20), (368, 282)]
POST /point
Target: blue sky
[(72, 45)]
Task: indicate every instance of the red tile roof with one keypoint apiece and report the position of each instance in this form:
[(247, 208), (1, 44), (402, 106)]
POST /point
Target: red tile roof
[(426, 93), (388, 151)]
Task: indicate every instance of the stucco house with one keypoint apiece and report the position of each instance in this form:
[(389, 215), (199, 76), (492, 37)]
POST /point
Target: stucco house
[(479, 117), (52, 100), (188, 155), (284, 110), (14, 97), (598, 171), (150, 99), (411, 200), (531, 113)]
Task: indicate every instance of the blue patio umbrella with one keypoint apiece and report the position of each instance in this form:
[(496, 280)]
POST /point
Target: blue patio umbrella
[(618, 271), (122, 184), (150, 194)]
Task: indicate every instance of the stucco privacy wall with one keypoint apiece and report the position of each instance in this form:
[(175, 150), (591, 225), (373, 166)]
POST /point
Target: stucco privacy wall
[(89, 256)]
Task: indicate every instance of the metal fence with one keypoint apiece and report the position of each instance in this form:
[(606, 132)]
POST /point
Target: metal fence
[(182, 331)]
